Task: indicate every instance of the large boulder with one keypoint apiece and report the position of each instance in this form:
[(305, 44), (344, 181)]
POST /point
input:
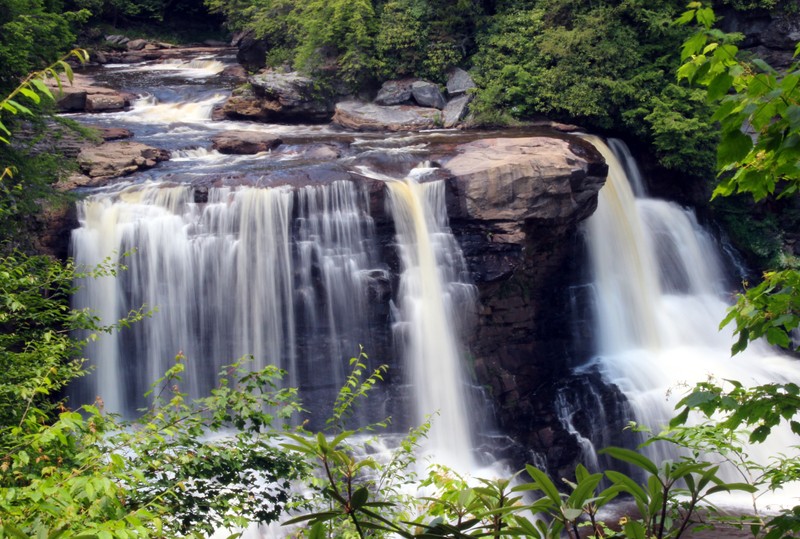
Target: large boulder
[(455, 110), (244, 142), (395, 92), (252, 52), (459, 82), (427, 94), (279, 97), (523, 179), (371, 117)]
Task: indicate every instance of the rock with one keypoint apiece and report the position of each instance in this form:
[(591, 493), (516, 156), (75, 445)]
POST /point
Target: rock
[(783, 33), (455, 110), (136, 44), (252, 53), (244, 142), (236, 73), (114, 159), (459, 82), (214, 43), (282, 97), (83, 95), (114, 133), (395, 92), (99, 57), (371, 117), (521, 180), (117, 39), (427, 94), (105, 102), (70, 99)]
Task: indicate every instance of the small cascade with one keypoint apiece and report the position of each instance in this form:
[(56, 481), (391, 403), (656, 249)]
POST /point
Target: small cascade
[(149, 109), (271, 273), (659, 301), (433, 291)]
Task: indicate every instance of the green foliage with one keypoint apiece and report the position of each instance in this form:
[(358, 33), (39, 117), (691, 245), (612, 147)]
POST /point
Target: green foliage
[(602, 65), (165, 474)]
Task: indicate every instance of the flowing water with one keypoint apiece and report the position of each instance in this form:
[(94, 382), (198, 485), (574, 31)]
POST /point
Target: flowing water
[(660, 296), (284, 257), (240, 258)]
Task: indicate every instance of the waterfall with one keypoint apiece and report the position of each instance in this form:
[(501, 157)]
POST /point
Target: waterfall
[(433, 292), (660, 296), (273, 273)]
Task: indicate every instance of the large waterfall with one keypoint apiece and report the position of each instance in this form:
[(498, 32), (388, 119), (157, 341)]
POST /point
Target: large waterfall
[(660, 296)]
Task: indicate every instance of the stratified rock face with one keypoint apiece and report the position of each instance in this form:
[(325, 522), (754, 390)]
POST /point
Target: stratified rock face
[(371, 117), (515, 206), (244, 142), (281, 97)]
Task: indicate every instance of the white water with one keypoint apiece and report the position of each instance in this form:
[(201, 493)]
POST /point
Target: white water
[(660, 299), (431, 293), (228, 280)]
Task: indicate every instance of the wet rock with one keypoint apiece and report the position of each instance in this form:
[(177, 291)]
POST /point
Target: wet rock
[(371, 117), (99, 57), (117, 39), (103, 102), (244, 142), (459, 82), (427, 94), (456, 110), (395, 92)]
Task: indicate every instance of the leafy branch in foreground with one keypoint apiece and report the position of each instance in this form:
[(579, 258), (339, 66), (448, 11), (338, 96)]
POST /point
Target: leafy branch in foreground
[(34, 86)]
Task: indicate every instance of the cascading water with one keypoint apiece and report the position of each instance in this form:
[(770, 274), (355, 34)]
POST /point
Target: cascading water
[(235, 276), (659, 301), (432, 293)]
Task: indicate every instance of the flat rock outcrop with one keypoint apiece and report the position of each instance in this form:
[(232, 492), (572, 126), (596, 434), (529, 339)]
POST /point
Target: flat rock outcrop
[(244, 142), (372, 117), (83, 95), (104, 162)]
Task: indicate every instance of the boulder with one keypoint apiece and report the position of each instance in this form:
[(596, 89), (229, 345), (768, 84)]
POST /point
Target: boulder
[(371, 117), (114, 133), (117, 39), (395, 92), (252, 53), (281, 97), (522, 179), (136, 44), (427, 94), (459, 82), (103, 102), (244, 142), (455, 110), (112, 160)]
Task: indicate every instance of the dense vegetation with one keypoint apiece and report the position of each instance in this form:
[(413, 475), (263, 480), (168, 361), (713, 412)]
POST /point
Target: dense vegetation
[(65, 474)]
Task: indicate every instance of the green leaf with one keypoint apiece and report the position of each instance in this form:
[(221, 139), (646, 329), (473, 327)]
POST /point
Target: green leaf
[(359, 498), (719, 86), (733, 147), (632, 457), (544, 483), (634, 530)]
